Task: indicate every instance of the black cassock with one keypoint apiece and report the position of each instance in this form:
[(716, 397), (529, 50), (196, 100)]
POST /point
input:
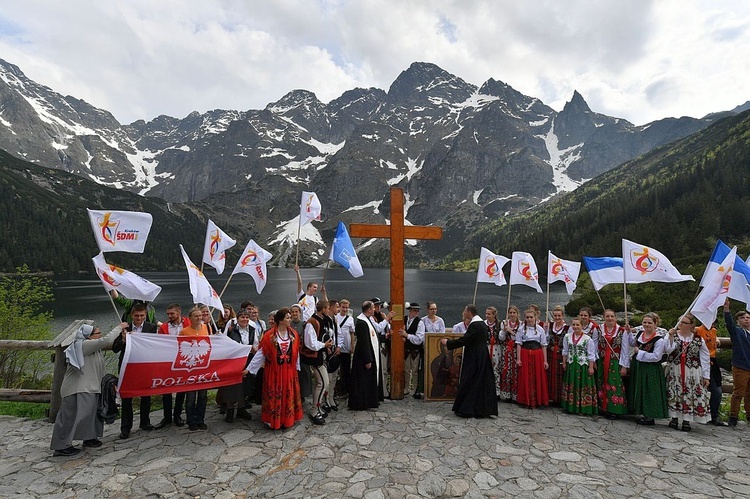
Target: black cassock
[(366, 392), (476, 388)]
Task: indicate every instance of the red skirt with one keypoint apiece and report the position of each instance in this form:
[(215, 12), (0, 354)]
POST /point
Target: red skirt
[(532, 379)]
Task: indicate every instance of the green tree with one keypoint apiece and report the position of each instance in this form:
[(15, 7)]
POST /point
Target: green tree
[(23, 297)]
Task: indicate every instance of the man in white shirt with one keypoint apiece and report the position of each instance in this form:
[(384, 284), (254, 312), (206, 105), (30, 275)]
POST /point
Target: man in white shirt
[(317, 344), (413, 335), (306, 299), (346, 345)]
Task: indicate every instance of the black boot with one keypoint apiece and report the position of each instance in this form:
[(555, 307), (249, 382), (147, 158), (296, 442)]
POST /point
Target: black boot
[(243, 414), (230, 416)]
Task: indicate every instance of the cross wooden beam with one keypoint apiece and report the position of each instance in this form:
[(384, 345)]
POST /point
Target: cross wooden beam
[(397, 232)]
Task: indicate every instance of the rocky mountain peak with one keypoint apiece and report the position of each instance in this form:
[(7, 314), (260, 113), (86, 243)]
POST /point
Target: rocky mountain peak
[(577, 104), (423, 80)]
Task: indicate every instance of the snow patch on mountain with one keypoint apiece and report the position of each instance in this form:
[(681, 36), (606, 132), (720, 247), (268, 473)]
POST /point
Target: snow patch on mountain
[(560, 160), (375, 205), (286, 233), (325, 147)]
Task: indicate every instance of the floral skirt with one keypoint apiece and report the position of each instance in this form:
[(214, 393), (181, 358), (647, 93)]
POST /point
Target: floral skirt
[(689, 400), (509, 375), (579, 390), (610, 389)]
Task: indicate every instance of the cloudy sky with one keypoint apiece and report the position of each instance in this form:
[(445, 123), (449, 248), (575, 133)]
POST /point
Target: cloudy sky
[(640, 59)]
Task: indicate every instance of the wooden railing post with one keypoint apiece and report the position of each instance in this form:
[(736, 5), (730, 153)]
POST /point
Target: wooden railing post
[(57, 378)]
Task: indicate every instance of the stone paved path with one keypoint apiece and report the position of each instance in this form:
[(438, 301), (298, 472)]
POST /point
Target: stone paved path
[(404, 449)]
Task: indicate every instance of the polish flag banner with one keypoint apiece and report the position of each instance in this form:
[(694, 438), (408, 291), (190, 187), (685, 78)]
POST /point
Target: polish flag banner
[(157, 364)]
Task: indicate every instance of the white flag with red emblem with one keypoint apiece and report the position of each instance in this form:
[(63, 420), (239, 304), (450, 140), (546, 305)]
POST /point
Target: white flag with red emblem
[(491, 267), (715, 291), (523, 270), (253, 262), (309, 208), (125, 282), (215, 247), (563, 270), (120, 230), (200, 288), (157, 364), (644, 264)]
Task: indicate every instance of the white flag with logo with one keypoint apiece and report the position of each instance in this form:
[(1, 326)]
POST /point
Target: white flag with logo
[(253, 262), (644, 264), (563, 270), (125, 282), (120, 230), (200, 288), (309, 208), (715, 291), (214, 249), (491, 267), (523, 270)]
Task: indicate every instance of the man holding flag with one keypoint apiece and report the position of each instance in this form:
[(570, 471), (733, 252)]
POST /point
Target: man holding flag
[(739, 332)]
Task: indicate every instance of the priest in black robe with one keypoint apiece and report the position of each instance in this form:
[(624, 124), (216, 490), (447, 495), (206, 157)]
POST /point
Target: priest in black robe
[(476, 387), (366, 392)]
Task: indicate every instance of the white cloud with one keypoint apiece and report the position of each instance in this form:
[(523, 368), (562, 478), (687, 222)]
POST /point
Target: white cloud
[(641, 60)]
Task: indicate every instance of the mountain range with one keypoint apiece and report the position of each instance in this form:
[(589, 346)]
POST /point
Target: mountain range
[(465, 155)]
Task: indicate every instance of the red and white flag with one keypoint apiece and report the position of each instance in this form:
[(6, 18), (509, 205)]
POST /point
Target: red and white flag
[(563, 270), (523, 270), (491, 267), (200, 288), (253, 262), (120, 230), (309, 208), (156, 364), (125, 282), (716, 290), (215, 247)]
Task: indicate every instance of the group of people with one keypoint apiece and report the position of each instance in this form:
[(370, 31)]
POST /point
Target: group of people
[(316, 351), (612, 369)]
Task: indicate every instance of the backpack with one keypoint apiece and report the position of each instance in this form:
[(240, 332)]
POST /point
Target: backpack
[(108, 401)]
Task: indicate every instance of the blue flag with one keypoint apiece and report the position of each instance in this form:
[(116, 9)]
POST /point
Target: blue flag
[(342, 252)]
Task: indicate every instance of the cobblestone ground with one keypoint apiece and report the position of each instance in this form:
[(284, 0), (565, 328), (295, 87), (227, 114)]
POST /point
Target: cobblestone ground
[(404, 449)]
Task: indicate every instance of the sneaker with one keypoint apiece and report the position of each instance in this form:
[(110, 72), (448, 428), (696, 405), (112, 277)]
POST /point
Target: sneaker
[(69, 451), (732, 421), (94, 442)]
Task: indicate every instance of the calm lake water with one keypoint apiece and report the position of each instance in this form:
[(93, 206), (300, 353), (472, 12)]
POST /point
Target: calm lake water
[(84, 297)]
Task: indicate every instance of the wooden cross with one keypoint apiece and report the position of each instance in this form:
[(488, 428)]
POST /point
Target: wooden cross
[(397, 233)]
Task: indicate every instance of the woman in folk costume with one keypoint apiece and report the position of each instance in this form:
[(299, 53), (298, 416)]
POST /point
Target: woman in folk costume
[(647, 392), (588, 326), (531, 355), (278, 353), (579, 386), (611, 343), (556, 331), (507, 336), (495, 346), (688, 375)]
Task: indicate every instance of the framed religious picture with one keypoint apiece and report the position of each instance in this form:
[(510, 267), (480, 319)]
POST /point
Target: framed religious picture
[(442, 367)]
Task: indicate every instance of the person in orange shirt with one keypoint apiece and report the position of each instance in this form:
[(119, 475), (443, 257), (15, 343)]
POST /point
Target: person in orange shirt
[(195, 401), (714, 386)]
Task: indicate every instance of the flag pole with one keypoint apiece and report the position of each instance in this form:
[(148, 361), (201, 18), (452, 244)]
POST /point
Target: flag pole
[(325, 269), (476, 286), (299, 230), (625, 299), (112, 301), (508, 305), (601, 302), (546, 312), (225, 285)]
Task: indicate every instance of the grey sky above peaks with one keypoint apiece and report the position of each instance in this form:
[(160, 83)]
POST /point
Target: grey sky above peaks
[(639, 60)]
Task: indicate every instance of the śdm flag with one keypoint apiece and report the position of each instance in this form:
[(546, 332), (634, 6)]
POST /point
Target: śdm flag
[(200, 288), (523, 270), (156, 364), (214, 249), (253, 262), (309, 208), (342, 252), (125, 282), (644, 264), (716, 290), (738, 288), (491, 267), (120, 230), (563, 270)]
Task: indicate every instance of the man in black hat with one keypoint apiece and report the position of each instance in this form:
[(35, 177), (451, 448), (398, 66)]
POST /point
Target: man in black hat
[(413, 335)]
